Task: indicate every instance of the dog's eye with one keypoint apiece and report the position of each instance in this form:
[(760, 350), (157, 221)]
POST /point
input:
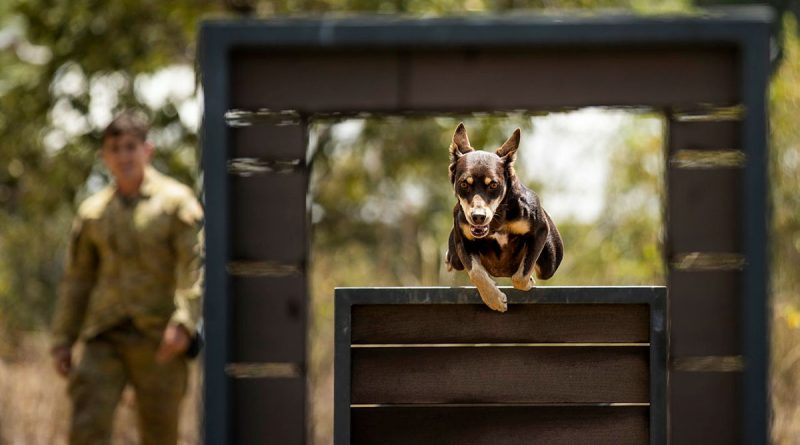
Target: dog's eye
[(493, 185), (463, 184)]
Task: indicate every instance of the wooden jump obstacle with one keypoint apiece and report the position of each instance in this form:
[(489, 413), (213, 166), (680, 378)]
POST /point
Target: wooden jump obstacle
[(265, 82), (564, 366)]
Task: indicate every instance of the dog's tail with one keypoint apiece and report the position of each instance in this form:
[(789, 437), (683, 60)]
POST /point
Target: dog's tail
[(552, 252)]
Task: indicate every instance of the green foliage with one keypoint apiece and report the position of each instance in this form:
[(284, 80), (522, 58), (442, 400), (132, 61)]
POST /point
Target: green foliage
[(624, 246), (785, 162), (385, 195), (64, 64), (68, 65), (785, 243), (382, 199), (387, 192)]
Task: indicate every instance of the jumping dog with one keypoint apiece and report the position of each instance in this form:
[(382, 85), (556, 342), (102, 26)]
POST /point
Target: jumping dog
[(499, 226)]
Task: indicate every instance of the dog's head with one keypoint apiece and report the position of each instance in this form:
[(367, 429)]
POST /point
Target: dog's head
[(481, 178)]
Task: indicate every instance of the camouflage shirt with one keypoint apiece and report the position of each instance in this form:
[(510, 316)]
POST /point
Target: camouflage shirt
[(135, 259)]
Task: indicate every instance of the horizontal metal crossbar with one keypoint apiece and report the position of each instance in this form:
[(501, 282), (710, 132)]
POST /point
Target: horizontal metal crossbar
[(708, 261), (263, 268), (264, 370), (726, 363), (706, 159), (246, 167)]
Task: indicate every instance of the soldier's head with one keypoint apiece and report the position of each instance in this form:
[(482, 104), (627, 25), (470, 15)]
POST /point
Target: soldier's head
[(125, 150)]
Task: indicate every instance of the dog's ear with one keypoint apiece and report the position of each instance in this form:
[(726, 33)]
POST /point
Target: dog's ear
[(458, 148), (460, 145), (508, 151)]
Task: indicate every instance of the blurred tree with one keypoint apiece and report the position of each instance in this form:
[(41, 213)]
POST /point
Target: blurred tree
[(785, 167), (624, 246), (382, 202), (784, 110), (67, 67), (386, 192)]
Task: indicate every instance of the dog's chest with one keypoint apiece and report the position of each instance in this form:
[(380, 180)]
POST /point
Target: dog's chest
[(501, 238), (500, 253)]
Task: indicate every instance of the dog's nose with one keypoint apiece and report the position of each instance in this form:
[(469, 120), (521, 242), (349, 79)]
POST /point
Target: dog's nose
[(478, 218)]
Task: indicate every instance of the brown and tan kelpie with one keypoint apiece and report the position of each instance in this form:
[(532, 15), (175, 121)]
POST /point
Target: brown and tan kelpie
[(499, 226)]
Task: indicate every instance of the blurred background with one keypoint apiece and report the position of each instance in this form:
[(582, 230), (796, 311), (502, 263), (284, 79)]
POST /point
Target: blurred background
[(381, 202)]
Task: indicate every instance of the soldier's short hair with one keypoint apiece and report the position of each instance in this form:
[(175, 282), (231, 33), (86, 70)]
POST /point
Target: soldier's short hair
[(127, 122)]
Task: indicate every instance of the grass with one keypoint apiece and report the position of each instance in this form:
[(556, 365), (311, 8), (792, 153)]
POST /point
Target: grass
[(34, 408)]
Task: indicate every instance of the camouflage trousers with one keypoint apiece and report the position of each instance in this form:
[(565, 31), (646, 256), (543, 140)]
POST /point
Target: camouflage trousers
[(112, 360)]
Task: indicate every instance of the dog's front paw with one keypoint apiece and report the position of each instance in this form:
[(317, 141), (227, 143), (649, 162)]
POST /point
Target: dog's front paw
[(522, 282), (494, 298)]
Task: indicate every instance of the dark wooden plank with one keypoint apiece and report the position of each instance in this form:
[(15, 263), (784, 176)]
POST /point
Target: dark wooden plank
[(269, 319), (705, 313), (558, 77), (719, 135), (526, 323), (311, 81), (269, 411), (269, 217), (705, 408), (385, 81), (500, 375), (500, 425), (704, 210), (269, 141), (351, 296)]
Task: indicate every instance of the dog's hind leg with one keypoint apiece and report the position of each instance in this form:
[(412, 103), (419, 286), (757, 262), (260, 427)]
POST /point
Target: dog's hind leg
[(523, 277), (552, 252), (522, 280)]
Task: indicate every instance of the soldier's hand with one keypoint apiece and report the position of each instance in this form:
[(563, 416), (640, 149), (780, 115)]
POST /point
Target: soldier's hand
[(175, 341), (62, 359)]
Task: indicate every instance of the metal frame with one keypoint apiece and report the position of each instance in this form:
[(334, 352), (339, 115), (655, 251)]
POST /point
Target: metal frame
[(216, 389), (746, 30), (654, 296)]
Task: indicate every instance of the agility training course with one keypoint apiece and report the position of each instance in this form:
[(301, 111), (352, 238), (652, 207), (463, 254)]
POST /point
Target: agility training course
[(683, 364)]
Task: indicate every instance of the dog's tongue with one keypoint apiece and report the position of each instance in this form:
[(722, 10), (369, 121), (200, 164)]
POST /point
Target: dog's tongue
[(479, 231)]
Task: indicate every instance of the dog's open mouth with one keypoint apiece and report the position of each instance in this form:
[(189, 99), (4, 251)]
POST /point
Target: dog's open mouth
[(479, 231)]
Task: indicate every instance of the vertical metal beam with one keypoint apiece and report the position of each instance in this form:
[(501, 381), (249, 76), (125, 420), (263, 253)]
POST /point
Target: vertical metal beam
[(269, 283), (216, 400), (756, 215), (658, 367), (341, 369)]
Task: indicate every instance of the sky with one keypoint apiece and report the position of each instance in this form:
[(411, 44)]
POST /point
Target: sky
[(569, 151)]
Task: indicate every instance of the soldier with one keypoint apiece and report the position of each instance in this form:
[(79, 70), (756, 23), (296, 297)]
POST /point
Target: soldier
[(131, 293)]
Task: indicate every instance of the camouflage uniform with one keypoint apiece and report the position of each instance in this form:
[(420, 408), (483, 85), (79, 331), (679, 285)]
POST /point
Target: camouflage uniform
[(133, 267)]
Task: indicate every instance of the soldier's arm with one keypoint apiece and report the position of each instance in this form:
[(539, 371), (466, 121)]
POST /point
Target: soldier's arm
[(73, 294), (188, 246)]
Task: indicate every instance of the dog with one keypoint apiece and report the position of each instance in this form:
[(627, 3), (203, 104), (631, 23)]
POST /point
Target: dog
[(499, 226)]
